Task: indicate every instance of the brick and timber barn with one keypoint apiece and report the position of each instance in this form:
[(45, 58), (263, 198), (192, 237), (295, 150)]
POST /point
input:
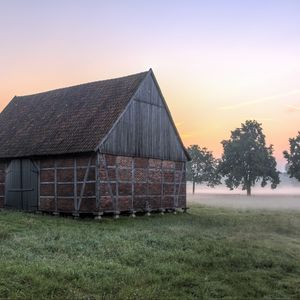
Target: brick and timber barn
[(109, 146)]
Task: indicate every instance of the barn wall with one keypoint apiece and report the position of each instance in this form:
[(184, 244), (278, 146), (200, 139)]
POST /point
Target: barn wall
[(2, 183), (145, 129), (125, 184), (58, 190), (141, 184)]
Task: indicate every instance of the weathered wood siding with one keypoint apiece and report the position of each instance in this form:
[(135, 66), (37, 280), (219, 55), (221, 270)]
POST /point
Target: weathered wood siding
[(145, 129)]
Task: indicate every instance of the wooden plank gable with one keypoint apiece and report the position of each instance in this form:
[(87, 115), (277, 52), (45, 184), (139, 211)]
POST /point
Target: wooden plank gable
[(146, 128)]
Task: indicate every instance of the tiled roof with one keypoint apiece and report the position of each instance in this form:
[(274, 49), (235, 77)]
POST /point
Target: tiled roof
[(68, 120)]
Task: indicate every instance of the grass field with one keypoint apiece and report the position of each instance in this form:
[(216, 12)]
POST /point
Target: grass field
[(207, 253)]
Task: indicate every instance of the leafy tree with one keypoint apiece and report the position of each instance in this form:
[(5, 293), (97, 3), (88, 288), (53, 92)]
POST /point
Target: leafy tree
[(293, 157), (247, 159), (202, 167)]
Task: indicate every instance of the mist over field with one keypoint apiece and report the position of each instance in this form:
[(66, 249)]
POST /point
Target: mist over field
[(285, 197), (287, 186)]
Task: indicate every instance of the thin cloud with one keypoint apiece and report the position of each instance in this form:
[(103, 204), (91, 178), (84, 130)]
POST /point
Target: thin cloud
[(293, 108), (188, 134), (178, 124), (240, 105), (259, 100)]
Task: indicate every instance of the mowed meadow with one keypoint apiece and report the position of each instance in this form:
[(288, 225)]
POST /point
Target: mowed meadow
[(203, 254)]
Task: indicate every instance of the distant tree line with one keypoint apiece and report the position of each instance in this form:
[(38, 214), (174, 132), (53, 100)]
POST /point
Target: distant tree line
[(246, 159)]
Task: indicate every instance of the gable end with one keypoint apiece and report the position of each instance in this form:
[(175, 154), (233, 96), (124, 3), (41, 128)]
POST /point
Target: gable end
[(146, 127)]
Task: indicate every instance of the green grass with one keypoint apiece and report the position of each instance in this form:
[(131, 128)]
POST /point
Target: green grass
[(207, 253)]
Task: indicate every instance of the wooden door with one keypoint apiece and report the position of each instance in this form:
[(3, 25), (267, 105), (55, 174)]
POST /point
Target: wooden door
[(21, 185)]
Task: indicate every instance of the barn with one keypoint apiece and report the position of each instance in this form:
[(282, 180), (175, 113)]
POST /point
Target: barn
[(109, 146)]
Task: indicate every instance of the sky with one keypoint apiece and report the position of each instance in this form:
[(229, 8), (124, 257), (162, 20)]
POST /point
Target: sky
[(218, 62)]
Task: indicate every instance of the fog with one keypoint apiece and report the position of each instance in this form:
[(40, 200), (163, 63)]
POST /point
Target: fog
[(285, 197), (287, 186)]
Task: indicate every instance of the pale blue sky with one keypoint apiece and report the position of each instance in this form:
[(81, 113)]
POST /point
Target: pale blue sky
[(207, 55)]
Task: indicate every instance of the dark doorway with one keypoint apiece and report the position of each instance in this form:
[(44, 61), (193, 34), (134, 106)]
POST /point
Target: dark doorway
[(21, 185)]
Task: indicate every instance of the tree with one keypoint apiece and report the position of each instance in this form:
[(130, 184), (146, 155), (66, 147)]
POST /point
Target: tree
[(293, 157), (202, 167), (247, 159)]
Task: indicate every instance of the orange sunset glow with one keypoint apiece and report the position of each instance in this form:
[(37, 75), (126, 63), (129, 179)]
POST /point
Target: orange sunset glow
[(218, 63)]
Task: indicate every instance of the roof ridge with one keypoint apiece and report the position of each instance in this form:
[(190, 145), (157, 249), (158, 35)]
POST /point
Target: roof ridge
[(84, 84)]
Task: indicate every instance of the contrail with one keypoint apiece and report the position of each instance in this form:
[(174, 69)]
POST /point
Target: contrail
[(259, 100)]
